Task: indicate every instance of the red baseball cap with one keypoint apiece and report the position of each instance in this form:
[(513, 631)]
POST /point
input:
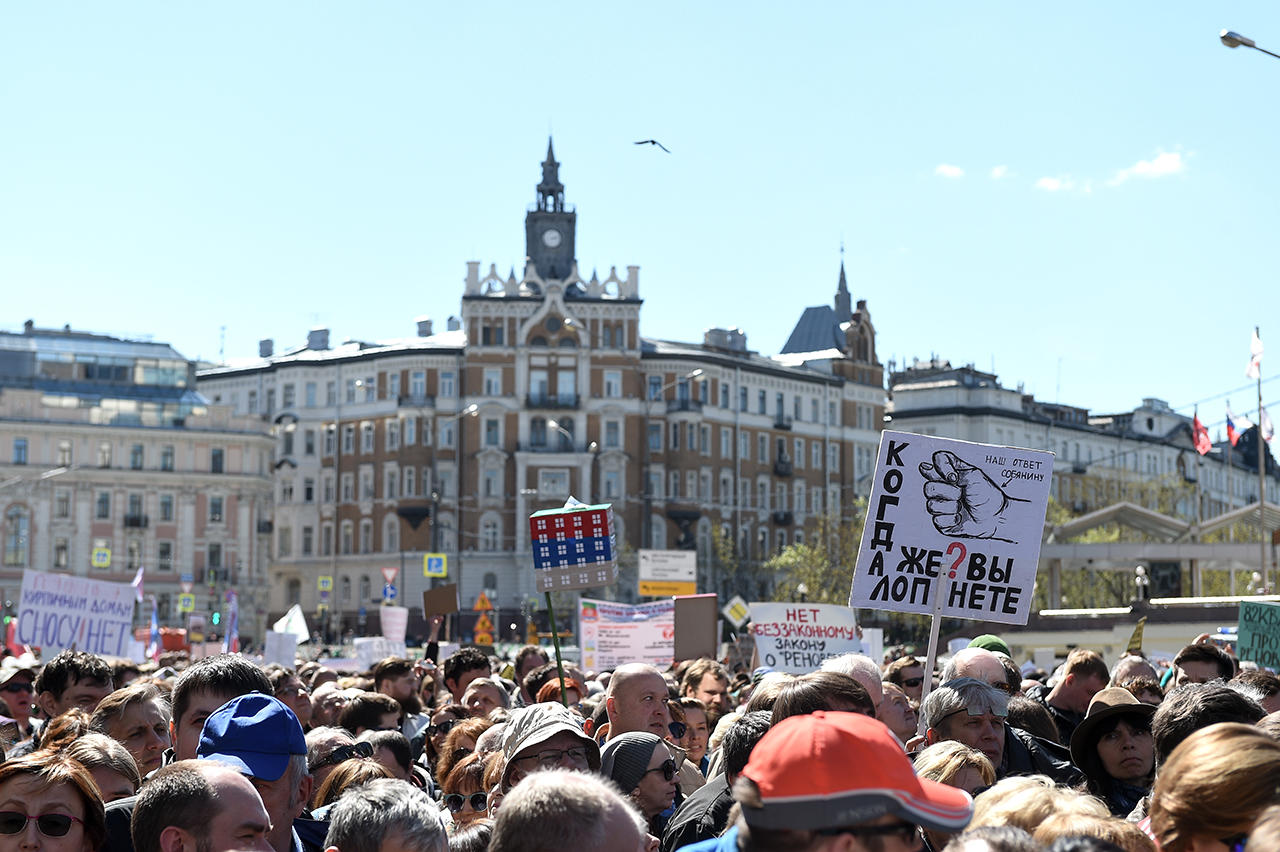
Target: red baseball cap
[(833, 770)]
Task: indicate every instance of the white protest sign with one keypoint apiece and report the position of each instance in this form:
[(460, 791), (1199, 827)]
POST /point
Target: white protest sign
[(796, 638), (371, 649), (280, 648), (137, 650), (58, 611), (972, 513), (394, 621), (873, 643), (614, 634)]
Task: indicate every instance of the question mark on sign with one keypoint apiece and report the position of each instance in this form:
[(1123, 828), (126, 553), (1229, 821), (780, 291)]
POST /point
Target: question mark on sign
[(955, 545)]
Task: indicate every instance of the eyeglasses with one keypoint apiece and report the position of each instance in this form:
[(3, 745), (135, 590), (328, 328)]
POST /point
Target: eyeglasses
[(1235, 842), (904, 831), (346, 752), (50, 825), (668, 769), (551, 757), (455, 801), (678, 729), (913, 682), (442, 728)]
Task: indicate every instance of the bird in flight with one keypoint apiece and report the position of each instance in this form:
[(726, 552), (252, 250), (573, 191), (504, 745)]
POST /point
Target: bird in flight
[(654, 142)]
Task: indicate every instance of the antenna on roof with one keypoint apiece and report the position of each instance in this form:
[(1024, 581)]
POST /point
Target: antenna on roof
[(222, 344)]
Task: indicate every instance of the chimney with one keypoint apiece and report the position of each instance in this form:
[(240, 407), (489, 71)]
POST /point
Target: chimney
[(454, 324), (424, 326), (266, 348), (29, 327), (318, 338)]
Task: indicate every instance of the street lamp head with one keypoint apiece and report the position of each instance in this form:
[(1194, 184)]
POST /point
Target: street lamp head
[(694, 374), (471, 410), (1234, 39)]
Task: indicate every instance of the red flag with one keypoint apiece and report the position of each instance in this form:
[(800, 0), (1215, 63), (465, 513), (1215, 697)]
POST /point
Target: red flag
[(1203, 444)]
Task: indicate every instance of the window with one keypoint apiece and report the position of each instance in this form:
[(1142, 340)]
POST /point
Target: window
[(216, 461), (779, 405), (655, 437), (284, 543), (17, 542), (418, 384), (762, 402), (215, 510), (613, 383), (164, 556), (390, 534), (691, 485), (762, 494), (410, 482), (675, 436), (214, 558), (724, 394), (445, 479), (309, 442), (326, 488), (673, 485), (253, 402), (347, 535), (490, 486), (308, 490), (286, 491), (693, 437), (833, 459), (351, 390), (493, 381), (64, 454), (103, 511), (446, 434), (366, 484), (612, 484), (742, 398), (490, 534), (104, 454), (815, 457), (491, 432), (348, 481), (166, 457), (366, 437), (135, 505), (288, 396), (655, 387), (393, 435), (61, 553), (798, 453), (310, 395), (744, 444), (62, 503), (655, 485), (391, 484), (326, 540), (166, 507), (331, 393), (19, 450), (410, 431), (329, 440), (704, 440), (553, 482), (287, 449), (366, 588), (447, 383), (370, 389), (612, 430), (348, 439), (762, 448), (726, 442), (366, 536), (813, 410), (393, 386)]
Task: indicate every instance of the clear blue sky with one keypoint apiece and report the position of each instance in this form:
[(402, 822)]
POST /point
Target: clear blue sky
[(1083, 198)]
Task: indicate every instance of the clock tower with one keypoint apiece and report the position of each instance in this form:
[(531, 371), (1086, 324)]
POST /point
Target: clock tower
[(548, 227)]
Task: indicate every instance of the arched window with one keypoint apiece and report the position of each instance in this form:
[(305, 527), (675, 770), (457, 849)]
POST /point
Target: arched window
[(568, 343), (346, 537), (366, 589), (391, 535), (538, 340), (17, 529), (346, 589)]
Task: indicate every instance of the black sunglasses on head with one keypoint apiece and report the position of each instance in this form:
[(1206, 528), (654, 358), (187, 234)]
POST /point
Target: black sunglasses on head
[(346, 752)]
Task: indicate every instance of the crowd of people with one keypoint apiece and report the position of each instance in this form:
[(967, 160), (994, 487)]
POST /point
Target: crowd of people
[(523, 755)]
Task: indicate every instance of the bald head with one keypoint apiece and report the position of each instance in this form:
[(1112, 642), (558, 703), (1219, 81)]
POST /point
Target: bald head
[(977, 663), (861, 668), (637, 701)]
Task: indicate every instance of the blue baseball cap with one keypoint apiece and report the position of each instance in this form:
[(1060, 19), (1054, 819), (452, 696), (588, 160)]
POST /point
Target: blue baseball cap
[(254, 734)]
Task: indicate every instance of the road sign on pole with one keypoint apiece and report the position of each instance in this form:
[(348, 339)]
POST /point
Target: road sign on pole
[(435, 565), (389, 573)]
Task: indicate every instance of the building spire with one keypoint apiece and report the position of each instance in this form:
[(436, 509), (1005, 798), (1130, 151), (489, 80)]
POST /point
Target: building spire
[(550, 190), (844, 305)]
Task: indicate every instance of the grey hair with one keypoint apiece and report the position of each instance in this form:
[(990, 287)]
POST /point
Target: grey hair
[(576, 803), (852, 664), (497, 684), (367, 815), (319, 739), (961, 694)]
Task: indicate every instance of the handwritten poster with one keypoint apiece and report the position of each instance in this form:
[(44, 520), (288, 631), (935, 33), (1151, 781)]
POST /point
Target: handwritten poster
[(972, 513), (1259, 634), (613, 633), (796, 638), (60, 611)]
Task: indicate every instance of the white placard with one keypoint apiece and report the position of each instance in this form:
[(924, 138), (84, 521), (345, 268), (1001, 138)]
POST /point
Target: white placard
[(973, 513), (371, 649), (873, 644), (796, 637), (137, 650), (1045, 659), (58, 611), (614, 634), (394, 621), (280, 648)]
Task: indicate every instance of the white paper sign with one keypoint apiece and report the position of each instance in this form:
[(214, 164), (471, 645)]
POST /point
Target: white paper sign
[(137, 650), (394, 621), (614, 634), (280, 648), (58, 611), (873, 644), (973, 513), (371, 649), (796, 637)]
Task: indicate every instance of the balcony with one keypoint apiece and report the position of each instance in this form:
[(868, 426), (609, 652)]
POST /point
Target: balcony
[(265, 527), (135, 521), (416, 400), (782, 467), (783, 519), (562, 446), (782, 421), (675, 405), (552, 400)]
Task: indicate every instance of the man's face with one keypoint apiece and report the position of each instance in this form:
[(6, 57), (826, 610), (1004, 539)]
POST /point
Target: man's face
[(284, 802), (640, 704), (459, 686), (241, 823), (896, 713), (984, 732), (388, 722), (912, 678), (1196, 671), (83, 694), (327, 746), (297, 698), (712, 692), (16, 696), (401, 688), (480, 698), (186, 730), (551, 753), (1085, 689), (143, 728), (531, 662)]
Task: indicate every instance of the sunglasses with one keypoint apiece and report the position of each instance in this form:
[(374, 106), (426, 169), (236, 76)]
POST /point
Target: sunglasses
[(913, 682), (906, 832), (668, 769), (678, 729), (479, 801), (342, 753), (50, 825), (443, 728)]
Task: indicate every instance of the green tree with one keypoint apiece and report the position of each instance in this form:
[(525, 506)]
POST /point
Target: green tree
[(823, 564)]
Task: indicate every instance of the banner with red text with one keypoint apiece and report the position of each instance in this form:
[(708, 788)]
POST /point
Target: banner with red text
[(796, 637)]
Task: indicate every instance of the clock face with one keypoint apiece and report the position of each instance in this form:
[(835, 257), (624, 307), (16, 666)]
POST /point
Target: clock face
[(551, 238)]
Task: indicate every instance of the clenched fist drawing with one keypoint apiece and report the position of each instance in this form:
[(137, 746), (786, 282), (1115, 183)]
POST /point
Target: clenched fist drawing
[(964, 501)]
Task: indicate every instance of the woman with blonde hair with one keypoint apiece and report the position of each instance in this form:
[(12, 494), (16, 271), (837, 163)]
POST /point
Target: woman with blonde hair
[(1122, 833), (956, 765), (1213, 787), (1026, 801), (348, 774)]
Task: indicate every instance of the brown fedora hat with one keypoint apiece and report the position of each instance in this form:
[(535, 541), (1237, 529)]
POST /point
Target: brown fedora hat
[(1110, 702)]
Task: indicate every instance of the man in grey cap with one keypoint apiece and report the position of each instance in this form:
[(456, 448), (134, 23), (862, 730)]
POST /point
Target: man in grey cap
[(545, 736)]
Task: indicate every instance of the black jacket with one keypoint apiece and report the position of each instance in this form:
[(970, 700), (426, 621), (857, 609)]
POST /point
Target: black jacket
[(702, 816), (1026, 754)]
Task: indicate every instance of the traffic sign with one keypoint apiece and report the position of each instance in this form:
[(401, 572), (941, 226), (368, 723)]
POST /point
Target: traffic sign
[(101, 557), (188, 581), (186, 603), (389, 573), (435, 565), (484, 638), (324, 583), (483, 624), (737, 611), (482, 603), (388, 592)]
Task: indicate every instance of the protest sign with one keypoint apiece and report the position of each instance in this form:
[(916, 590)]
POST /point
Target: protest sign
[(574, 547), (697, 627), (972, 514), (873, 643), (1259, 634), (371, 649), (796, 637), (60, 611), (395, 619), (280, 648), (614, 634), (441, 600)]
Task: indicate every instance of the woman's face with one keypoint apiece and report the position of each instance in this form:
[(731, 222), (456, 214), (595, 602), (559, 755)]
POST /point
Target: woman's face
[(465, 811), (1127, 753), (143, 728), (440, 720), (694, 741), (26, 794), (655, 792), (112, 784)]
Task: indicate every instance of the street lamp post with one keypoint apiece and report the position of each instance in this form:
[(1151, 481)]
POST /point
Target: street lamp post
[(1234, 39)]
